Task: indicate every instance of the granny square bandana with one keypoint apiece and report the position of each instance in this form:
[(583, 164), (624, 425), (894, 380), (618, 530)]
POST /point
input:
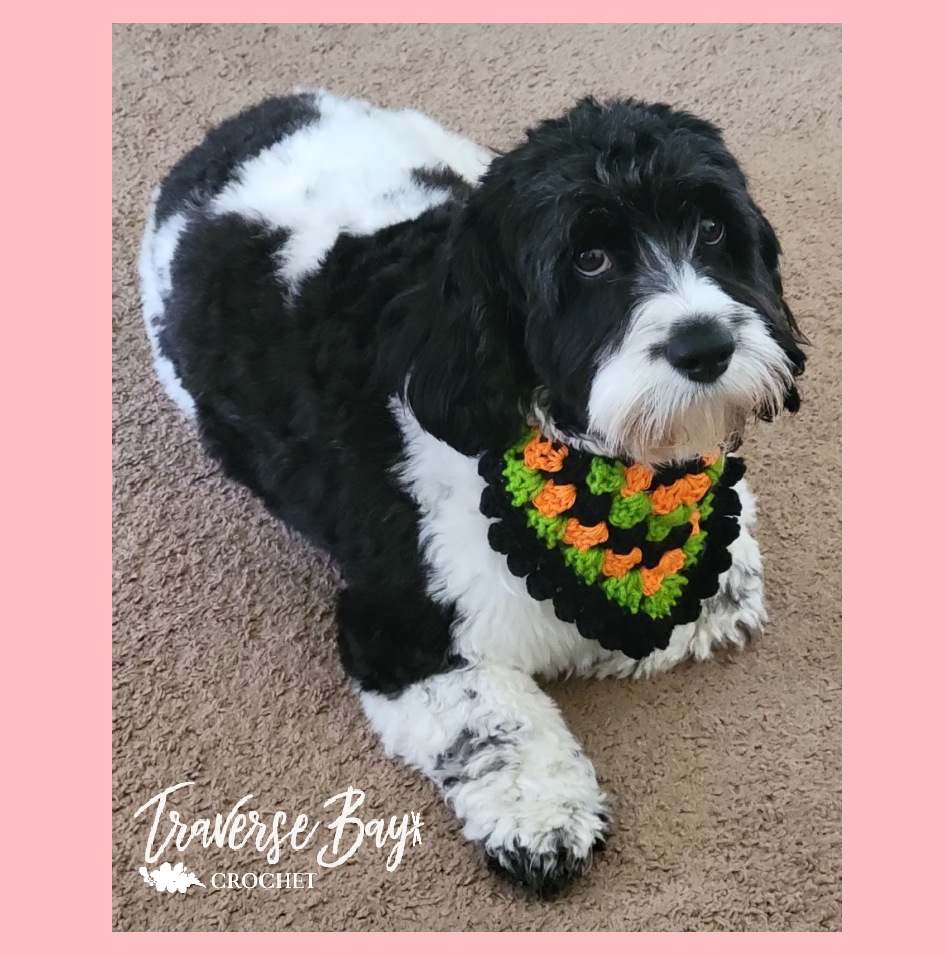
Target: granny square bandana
[(624, 552)]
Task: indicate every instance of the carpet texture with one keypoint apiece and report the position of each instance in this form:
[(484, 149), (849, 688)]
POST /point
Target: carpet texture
[(725, 777)]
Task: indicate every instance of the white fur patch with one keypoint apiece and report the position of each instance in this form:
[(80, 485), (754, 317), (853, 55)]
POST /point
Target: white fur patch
[(349, 171), (154, 267)]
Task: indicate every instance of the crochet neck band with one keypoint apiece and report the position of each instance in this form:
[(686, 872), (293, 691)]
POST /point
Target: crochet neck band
[(623, 552)]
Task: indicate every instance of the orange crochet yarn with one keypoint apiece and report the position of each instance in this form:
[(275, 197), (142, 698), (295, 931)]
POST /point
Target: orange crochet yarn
[(637, 478), (554, 499), (618, 565), (583, 538), (542, 456), (685, 491), (671, 562)]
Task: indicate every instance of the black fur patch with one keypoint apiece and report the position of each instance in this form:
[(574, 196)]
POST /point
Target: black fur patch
[(440, 177)]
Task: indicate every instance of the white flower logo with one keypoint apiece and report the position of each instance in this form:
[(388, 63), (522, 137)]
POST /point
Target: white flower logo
[(170, 878)]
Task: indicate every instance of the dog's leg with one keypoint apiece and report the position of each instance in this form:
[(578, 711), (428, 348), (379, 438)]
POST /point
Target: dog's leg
[(733, 616), (500, 753)]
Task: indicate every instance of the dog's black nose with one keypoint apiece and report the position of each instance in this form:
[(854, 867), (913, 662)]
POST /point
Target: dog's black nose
[(701, 350)]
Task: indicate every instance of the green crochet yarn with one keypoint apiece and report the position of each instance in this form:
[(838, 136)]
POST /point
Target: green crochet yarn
[(660, 603), (605, 477), (586, 564), (549, 530), (693, 547), (626, 512), (522, 483), (660, 525), (626, 591)]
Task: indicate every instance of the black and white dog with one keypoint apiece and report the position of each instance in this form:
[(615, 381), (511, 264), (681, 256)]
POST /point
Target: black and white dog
[(354, 304)]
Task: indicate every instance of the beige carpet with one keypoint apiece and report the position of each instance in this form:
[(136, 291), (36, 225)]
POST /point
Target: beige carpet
[(725, 776)]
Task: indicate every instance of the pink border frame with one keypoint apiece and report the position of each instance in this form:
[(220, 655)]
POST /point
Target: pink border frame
[(58, 706)]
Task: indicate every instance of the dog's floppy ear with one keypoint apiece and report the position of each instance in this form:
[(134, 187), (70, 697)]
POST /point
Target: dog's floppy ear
[(787, 332), (468, 382)]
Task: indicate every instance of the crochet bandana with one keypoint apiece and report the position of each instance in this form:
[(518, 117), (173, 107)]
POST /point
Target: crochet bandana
[(623, 552)]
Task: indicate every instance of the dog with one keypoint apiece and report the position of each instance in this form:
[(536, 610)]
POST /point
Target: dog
[(363, 312)]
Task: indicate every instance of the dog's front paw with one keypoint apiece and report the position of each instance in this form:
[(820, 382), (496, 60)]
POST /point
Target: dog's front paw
[(546, 864), (534, 806), (499, 752)]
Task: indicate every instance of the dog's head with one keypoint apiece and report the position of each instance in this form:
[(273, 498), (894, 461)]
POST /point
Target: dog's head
[(612, 277)]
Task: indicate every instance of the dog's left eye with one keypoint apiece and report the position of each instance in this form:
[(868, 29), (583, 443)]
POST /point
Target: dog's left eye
[(592, 262), (711, 231)]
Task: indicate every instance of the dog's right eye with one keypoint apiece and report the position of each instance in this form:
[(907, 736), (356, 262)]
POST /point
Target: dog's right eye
[(592, 262)]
